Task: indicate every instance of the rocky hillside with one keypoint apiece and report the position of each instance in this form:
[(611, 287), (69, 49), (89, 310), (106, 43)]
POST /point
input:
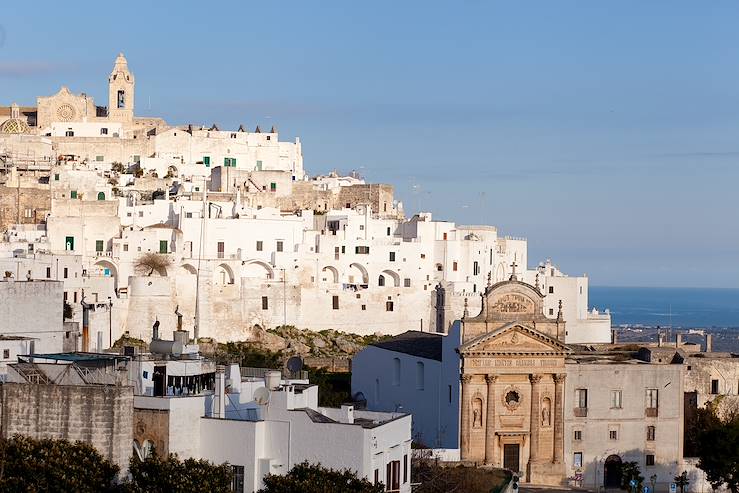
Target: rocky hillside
[(291, 340)]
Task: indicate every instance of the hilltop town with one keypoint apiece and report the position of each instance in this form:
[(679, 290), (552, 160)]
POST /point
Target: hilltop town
[(123, 228)]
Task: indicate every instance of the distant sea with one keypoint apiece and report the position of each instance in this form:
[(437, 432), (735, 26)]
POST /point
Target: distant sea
[(678, 307)]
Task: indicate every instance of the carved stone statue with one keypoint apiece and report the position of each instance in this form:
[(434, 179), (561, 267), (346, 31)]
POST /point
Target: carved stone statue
[(477, 413), (545, 413)]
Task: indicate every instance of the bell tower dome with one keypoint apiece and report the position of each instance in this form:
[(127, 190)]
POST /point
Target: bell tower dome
[(121, 86)]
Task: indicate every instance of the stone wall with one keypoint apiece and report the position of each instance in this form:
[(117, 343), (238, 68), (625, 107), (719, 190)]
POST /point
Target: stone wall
[(100, 415), (23, 205)]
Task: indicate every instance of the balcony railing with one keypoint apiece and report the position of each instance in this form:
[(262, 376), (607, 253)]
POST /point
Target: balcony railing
[(581, 412)]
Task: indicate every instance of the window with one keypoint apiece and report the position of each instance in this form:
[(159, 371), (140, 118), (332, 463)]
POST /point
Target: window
[(221, 249), (419, 375), (103, 131), (650, 459), (259, 165), (6, 355), (141, 213), (651, 432), (578, 435), (237, 479), (98, 245), (28, 213), (66, 273), (388, 231), (163, 247), (273, 187), (56, 176), (335, 302), (450, 394), (454, 266), (121, 99), (714, 386), (260, 245), (233, 135), (69, 133), (407, 282), (405, 468), (577, 460), (137, 159), (393, 476), (388, 306), (551, 311), (279, 245), (146, 374), (73, 194), (439, 267), (445, 236), (377, 476), (48, 273), (392, 256), (613, 434), (125, 247), (616, 399), (652, 398), (581, 398), (101, 195), (551, 289), (475, 268), (206, 161), (265, 303), (361, 250), (396, 371), (381, 280)]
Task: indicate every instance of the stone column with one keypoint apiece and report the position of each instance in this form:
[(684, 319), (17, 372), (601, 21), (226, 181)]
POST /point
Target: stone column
[(559, 420), (464, 432), (490, 420), (535, 417)]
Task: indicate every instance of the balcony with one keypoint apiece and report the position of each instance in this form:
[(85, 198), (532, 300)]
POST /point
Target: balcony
[(651, 412), (581, 412)]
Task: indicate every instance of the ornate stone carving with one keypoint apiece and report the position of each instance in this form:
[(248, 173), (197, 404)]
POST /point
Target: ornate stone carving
[(465, 378), (534, 378), (559, 377), (513, 303), (512, 398), (491, 378), (65, 113)]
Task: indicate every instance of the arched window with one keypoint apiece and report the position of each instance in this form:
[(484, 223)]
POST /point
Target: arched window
[(419, 375), (396, 371), (101, 195), (381, 280)]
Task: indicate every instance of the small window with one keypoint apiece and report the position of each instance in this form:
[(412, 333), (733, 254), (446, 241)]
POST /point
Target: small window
[(48, 273), (577, 460), (445, 236), (69, 133), (578, 435), (163, 247), (273, 187), (66, 273), (265, 303), (125, 247), (69, 243), (146, 374), (439, 267), (388, 306), (454, 266), (260, 245), (450, 393), (714, 386), (99, 158), (388, 231), (6, 353), (141, 213), (405, 468), (56, 176), (103, 131), (407, 282), (616, 399), (392, 256), (364, 307), (650, 459), (551, 289), (361, 250), (99, 245), (279, 245), (651, 432), (551, 311), (206, 161), (73, 194), (581, 398), (335, 302), (613, 434), (188, 215), (652, 398), (259, 165)]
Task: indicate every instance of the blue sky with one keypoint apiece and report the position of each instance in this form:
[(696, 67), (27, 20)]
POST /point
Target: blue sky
[(607, 133)]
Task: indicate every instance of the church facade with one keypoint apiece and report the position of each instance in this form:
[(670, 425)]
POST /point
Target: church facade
[(512, 384)]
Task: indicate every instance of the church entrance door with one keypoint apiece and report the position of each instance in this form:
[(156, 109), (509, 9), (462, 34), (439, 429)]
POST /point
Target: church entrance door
[(612, 472), (511, 456)]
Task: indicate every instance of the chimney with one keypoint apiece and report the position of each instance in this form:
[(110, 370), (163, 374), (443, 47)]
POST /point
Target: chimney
[(709, 343), (155, 331), (219, 405), (678, 340), (272, 379)]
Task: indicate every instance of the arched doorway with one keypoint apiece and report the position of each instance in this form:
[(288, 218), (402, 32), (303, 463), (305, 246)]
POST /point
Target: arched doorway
[(612, 472), (101, 195)]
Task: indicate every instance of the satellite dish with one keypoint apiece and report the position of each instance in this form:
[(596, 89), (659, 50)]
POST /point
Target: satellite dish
[(295, 364), (261, 396)]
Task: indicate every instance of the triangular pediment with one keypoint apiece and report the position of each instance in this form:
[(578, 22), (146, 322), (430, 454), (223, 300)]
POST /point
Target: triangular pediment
[(514, 338)]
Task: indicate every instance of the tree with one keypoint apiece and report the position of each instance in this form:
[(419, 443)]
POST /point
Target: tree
[(171, 475), (28, 465), (682, 481), (629, 471), (312, 478), (717, 447), (149, 262)]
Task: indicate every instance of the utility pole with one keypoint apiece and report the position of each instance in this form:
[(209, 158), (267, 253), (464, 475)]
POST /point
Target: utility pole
[(284, 297), (110, 321)]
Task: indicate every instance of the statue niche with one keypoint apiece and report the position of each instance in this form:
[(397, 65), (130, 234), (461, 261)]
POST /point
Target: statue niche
[(477, 413), (546, 411)]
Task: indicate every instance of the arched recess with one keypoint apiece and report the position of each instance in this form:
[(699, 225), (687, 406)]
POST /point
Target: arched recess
[(257, 269), (223, 275), (394, 276), (108, 269), (381, 280), (330, 274), (500, 273), (358, 274), (187, 269), (101, 195)]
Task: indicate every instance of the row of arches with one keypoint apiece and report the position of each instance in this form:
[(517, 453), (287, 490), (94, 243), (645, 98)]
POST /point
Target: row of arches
[(358, 274)]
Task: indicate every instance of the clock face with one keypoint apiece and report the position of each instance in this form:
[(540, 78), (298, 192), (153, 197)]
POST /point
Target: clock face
[(65, 113)]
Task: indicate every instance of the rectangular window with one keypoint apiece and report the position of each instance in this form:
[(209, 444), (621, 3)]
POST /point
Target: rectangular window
[(578, 435), (551, 289), (551, 311), (616, 399), (221, 249), (581, 398), (163, 247), (69, 133), (125, 247), (56, 176), (206, 161), (650, 459), (73, 194), (259, 165), (260, 245), (233, 162), (226, 162), (265, 303), (388, 231), (66, 273), (364, 307), (237, 479), (454, 266), (450, 394), (714, 386), (405, 468), (6, 353), (98, 245), (407, 282), (577, 460), (377, 476), (137, 159), (279, 245), (361, 250), (613, 434), (392, 256), (121, 99), (99, 158), (48, 273), (273, 187), (388, 306), (652, 398), (103, 131), (651, 432), (335, 302)]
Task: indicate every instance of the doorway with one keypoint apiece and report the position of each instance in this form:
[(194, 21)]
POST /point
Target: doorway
[(512, 456), (612, 472), (159, 377)]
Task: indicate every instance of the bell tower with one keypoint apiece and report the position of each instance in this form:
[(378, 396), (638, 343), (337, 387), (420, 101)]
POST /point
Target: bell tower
[(121, 86)]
